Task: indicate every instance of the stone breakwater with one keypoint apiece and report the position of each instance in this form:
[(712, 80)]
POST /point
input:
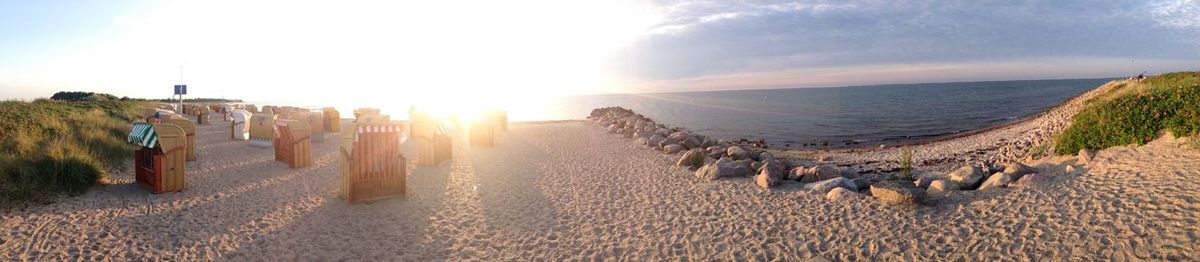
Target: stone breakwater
[(985, 160)]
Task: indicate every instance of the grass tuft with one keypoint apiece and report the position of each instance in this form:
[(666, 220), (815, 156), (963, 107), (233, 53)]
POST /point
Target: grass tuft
[(1136, 113)]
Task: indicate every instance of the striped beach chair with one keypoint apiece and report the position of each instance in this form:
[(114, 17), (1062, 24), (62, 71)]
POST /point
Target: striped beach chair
[(159, 163)]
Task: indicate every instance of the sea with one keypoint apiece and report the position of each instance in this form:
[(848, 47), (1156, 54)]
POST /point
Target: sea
[(851, 116)]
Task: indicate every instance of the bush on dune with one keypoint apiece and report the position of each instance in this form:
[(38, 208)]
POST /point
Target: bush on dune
[(1136, 113), (49, 147)]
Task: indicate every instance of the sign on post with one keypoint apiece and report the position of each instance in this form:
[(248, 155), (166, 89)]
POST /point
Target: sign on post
[(180, 89)]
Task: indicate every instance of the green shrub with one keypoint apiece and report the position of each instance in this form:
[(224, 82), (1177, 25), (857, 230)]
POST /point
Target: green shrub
[(1038, 151), (906, 164), (50, 147), (697, 159), (1167, 102)]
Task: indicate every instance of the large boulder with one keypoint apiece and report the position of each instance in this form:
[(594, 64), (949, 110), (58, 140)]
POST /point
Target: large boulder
[(898, 193), (1085, 156), (819, 173), (1016, 170), (676, 138), (723, 168), (640, 141), (767, 178), (941, 186), (693, 158), (923, 181), (998, 180), (691, 142), (653, 141), (673, 148), (737, 152), (967, 177), (839, 194), (715, 151), (829, 184)]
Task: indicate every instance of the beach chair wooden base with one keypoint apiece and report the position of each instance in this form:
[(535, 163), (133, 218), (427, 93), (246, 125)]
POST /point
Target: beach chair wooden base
[(483, 135), (373, 167), (293, 146), (433, 152)]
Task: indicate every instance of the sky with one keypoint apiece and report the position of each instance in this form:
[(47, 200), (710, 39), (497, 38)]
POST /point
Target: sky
[(523, 50)]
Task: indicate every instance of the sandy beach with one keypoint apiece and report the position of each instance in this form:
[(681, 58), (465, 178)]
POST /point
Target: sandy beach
[(539, 196)]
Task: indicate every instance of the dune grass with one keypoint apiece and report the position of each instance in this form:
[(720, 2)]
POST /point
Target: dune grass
[(1135, 112), (50, 148)]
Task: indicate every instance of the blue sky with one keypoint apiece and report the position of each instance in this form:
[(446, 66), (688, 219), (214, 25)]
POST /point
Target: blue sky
[(256, 49)]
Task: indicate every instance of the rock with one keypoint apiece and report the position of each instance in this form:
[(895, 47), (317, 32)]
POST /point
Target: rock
[(693, 158), (691, 142), (677, 138), (1085, 156), (985, 166), (737, 152), (998, 180), (715, 151), (747, 164), (821, 172), (839, 194), (897, 193), (829, 184), (1031, 180), (640, 141), (722, 168), (662, 131), (1016, 170), (923, 182), (673, 148), (775, 167), (768, 177), (1070, 169), (861, 182), (796, 173), (654, 141), (966, 177), (941, 186)]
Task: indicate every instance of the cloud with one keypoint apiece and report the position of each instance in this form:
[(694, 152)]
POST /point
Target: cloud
[(713, 38)]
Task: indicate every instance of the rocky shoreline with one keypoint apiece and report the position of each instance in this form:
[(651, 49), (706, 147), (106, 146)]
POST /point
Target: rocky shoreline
[(986, 159)]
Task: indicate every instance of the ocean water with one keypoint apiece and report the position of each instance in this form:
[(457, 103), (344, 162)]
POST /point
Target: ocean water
[(837, 117), (844, 116)]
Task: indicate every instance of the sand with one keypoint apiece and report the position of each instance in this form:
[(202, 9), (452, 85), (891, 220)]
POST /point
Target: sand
[(569, 191)]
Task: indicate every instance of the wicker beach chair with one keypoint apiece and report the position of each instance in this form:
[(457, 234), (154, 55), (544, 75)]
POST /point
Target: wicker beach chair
[(239, 127), (190, 129), (293, 146), (483, 132), (159, 163), (373, 166), (316, 123), (333, 120), (262, 129)]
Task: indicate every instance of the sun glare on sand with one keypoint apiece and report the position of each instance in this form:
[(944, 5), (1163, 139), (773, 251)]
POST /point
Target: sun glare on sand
[(471, 55)]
